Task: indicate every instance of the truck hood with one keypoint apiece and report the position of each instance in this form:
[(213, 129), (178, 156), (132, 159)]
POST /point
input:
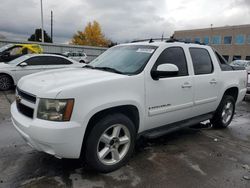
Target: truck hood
[(50, 83)]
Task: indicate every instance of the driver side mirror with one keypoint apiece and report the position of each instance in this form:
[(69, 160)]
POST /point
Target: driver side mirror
[(23, 64), (164, 71)]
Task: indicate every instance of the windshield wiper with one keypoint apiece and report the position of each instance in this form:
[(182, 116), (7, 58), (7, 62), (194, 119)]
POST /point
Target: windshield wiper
[(108, 69), (103, 68), (88, 66)]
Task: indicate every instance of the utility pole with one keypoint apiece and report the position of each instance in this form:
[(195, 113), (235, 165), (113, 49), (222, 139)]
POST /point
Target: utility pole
[(211, 33), (42, 21), (51, 26)]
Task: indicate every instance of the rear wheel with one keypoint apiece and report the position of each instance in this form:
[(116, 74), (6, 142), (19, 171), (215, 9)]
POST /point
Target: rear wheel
[(225, 112), (110, 143), (6, 82)]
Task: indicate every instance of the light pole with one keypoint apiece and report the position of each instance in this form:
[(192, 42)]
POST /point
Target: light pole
[(42, 20), (51, 26)]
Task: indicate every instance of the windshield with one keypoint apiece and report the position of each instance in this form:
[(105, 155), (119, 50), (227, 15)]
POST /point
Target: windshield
[(5, 47), (17, 60), (128, 59)]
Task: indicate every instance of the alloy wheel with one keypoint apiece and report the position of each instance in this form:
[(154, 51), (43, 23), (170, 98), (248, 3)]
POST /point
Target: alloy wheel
[(5, 83), (227, 112), (113, 144)]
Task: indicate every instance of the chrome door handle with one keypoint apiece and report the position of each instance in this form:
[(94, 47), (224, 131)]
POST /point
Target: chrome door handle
[(186, 85), (213, 81)]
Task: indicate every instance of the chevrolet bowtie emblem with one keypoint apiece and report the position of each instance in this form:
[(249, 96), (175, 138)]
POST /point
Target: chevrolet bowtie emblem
[(18, 99)]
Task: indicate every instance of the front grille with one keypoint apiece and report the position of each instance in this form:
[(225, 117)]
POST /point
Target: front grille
[(25, 110), (26, 96)]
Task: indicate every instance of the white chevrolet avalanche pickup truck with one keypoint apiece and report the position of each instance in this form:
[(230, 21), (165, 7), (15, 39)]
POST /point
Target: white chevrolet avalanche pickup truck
[(148, 89)]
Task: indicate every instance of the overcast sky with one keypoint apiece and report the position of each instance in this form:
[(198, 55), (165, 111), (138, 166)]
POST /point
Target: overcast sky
[(121, 20)]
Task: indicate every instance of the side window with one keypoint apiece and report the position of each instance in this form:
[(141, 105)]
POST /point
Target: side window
[(39, 60), (57, 61), (15, 50), (64, 61), (220, 58), (176, 56), (222, 62), (201, 61)]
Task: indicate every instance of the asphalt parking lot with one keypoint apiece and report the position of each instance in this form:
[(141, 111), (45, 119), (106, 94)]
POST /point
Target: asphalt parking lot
[(193, 157)]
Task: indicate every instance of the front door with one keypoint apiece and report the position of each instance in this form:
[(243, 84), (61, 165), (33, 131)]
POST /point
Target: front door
[(169, 99)]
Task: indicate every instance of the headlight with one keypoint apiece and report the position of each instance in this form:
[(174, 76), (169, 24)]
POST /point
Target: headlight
[(55, 109)]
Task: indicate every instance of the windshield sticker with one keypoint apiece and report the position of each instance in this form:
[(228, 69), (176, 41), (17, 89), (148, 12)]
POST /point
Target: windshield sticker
[(145, 50)]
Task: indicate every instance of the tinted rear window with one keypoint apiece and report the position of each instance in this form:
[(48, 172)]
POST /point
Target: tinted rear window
[(201, 61)]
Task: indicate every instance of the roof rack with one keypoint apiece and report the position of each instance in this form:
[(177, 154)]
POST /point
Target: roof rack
[(186, 42), (168, 40), (172, 40), (195, 42), (151, 40)]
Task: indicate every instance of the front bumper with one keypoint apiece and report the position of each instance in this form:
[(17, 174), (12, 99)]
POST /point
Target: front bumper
[(61, 139)]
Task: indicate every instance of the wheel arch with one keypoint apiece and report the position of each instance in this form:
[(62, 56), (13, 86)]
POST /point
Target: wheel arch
[(232, 91), (130, 111)]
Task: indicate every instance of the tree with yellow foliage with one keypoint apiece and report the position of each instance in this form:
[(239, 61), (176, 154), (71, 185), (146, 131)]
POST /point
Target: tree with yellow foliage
[(91, 36)]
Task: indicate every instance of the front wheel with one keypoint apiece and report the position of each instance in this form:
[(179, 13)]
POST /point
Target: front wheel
[(225, 112), (110, 143)]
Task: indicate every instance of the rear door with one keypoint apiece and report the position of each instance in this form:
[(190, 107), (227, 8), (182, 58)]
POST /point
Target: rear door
[(55, 62), (205, 80)]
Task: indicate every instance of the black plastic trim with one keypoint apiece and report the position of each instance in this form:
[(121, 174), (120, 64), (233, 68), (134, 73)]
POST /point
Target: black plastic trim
[(26, 96), (165, 129)]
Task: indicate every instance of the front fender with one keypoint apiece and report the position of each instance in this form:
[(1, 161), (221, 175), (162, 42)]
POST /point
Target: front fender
[(115, 104)]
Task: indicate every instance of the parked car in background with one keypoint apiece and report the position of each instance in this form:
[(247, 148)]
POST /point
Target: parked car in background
[(13, 51), (246, 65), (241, 63), (11, 72), (77, 56), (248, 87), (131, 90)]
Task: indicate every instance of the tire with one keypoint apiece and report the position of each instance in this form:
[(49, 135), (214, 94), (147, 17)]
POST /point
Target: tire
[(6, 82), (225, 112), (103, 150), (81, 61)]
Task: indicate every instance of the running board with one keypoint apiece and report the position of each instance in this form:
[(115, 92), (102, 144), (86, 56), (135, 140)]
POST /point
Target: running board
[(160, 131)]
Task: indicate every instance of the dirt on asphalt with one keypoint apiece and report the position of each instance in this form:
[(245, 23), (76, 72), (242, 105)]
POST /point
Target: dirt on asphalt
[(192, 157)]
